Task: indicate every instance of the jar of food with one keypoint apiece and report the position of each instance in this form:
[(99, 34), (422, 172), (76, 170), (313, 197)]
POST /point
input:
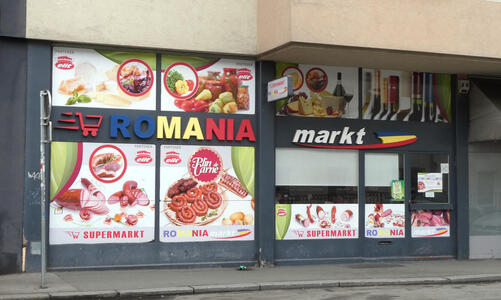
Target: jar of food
[(243, 97), (215, 87), (230, 80)]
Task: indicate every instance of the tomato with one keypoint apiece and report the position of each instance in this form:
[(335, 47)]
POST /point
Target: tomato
[(190, 83), (187, 106), (178, 103)]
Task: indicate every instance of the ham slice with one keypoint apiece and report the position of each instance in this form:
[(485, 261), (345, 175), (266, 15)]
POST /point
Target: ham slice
[(89, 198)]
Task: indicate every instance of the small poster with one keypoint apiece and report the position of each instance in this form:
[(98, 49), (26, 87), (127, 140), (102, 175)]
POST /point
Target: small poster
[(430, 223), (101, 193), (316, 221), (430, 183), (103, 78), (385, 220), (397, 190), (207, 193)]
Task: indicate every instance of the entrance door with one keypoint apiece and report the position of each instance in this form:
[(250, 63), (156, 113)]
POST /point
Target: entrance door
[(407, 205)]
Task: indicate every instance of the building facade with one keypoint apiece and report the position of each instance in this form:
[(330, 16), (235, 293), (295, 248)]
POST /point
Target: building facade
[(166, 151)]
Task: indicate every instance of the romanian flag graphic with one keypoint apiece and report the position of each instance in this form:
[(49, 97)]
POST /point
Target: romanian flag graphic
[(240, 233)]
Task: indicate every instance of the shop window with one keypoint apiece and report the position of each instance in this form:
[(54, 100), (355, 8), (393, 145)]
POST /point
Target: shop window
[(316, 176), (384, 176), (430, 178)]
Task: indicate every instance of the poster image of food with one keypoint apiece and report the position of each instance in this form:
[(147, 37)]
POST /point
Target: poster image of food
[(197, 84), (384, 220), (316, 221), (406, 96), (207, 193), (103, 79), (430, 223), (319, 91), (101, 193), (430, 182)]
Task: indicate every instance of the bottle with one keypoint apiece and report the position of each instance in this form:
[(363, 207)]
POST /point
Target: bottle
[(417, 97), (404, 102), (339, 90), (429, 109), (376, 105), (367, 94), (384, 99), (393, 96)]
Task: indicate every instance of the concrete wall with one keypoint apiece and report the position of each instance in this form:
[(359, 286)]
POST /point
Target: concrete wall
[(226, 26)]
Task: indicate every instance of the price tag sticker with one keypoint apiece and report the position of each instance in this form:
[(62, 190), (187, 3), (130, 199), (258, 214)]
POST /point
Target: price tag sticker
[(429, 194)]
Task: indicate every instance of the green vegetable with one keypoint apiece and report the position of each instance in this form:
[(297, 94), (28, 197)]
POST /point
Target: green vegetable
[(172, 77), (76, 98), (83, 99), (215, 108), (226, 97)]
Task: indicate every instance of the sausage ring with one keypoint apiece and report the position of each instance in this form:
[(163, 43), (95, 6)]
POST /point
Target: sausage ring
[(213, 199), (200, 207), (211, 187), (194, 194), (178, 202), (186, 214)]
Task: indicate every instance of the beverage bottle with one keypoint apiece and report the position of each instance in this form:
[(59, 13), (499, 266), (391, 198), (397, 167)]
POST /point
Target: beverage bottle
[(417, 97), (394, 96), (339, 90), (384, 100), (376, 105), (367, 95)]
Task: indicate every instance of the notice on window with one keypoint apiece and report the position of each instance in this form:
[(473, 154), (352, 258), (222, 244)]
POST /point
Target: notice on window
[(430, 182)]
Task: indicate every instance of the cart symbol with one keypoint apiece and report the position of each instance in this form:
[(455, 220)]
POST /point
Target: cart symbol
[(87, 128)]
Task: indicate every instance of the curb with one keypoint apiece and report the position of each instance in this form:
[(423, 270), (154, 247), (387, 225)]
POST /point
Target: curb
[(241, 287)]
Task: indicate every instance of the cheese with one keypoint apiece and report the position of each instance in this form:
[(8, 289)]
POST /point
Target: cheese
[(305, 106)]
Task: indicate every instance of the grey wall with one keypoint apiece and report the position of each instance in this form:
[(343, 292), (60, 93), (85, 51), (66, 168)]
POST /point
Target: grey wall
[(12, 125), (13, 18)]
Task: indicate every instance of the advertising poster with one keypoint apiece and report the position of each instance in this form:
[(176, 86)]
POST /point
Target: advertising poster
[(430, 182), (101, 193), (196, 84), (430, 223), (384, 220), (207, 193), (103, 78), (316, 221), (406, 96), (319, 91)]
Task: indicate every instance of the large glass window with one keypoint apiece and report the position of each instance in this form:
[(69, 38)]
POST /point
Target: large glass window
[(430, 178), (316, 176), (384, 174)]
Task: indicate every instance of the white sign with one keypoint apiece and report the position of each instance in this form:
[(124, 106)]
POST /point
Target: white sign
[(429, 182), (280, 88)]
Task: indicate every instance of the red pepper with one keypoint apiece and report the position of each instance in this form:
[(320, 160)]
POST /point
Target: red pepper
[(178, 103)]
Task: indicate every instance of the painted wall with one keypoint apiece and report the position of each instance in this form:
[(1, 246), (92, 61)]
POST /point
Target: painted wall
[(221, 26)]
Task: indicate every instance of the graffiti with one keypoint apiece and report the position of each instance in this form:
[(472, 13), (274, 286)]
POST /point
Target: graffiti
[(35, 175)]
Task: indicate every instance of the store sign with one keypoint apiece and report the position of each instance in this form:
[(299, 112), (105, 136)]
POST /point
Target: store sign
[(164, 127), (349, 139), (280, 88)]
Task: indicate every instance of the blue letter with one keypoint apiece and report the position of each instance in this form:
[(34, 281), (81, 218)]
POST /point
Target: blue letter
[(119, 122), (150, 127)]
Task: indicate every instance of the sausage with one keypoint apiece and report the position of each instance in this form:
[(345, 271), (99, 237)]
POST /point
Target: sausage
[(115, 197), (308, 212), (186, 214), (333, 214), (200, 207), (213, 199), (194, 194), (128, 187), (178, 202), (71, 199)]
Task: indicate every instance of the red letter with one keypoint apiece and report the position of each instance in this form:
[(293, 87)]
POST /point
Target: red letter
[(245, 131), (210, 127), (229, 130)]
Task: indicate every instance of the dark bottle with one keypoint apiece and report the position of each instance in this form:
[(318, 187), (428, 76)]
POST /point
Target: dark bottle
[(394, 96), (417, 97), (376, 105), (339, 90)]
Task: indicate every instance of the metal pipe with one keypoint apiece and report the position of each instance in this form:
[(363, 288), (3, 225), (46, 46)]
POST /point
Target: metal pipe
[(45, 127)]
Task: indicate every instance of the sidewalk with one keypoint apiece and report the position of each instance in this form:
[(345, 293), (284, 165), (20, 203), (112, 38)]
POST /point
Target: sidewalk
[(149, 282)]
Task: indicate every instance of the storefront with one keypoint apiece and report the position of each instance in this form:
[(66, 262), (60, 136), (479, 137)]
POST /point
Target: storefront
[(162, 159)]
